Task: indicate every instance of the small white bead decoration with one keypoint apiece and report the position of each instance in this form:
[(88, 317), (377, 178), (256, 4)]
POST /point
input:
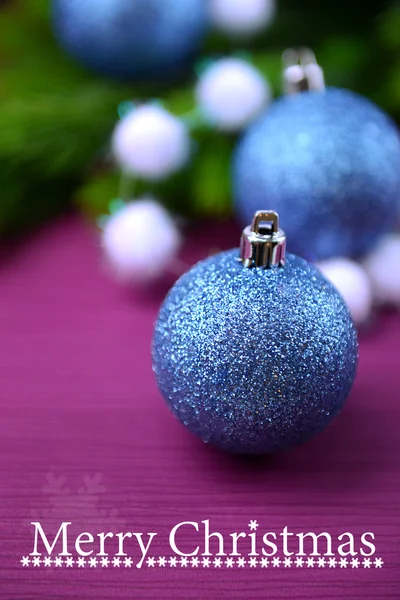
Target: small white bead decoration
[(383, 269), (151, 143), (242, 17), (140, 241), (231, 93), (352, 282)]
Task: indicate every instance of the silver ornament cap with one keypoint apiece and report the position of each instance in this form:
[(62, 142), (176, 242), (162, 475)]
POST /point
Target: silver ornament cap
[(262, 243), (301, 71)]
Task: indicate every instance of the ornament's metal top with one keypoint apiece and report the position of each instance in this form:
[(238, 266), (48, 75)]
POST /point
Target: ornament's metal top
[(301, 71), (262, 243)]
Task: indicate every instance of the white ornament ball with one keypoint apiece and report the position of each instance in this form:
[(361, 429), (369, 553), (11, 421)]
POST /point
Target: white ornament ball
[(383, 269), (140, 241), (352, 282), (151, 143), (231, 93), (242, 17)]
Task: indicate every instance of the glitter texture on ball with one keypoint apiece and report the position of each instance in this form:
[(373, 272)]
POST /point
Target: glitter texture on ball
[(329, 163), (131, 39), (254, 360), (231, 93)]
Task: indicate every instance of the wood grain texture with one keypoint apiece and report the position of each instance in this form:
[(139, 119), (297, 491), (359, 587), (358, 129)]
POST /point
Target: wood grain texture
[(78, 398)]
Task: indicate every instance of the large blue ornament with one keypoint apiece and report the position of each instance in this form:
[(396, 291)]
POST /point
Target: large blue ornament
[(252, 359), (130, 39), (329, 163)]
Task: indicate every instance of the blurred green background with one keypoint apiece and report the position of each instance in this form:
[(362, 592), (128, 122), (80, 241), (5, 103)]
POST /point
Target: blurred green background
[(56, 118)]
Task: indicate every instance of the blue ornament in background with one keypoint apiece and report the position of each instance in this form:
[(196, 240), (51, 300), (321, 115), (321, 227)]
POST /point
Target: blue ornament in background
[(256, 354), (329, 162), (131, 39)]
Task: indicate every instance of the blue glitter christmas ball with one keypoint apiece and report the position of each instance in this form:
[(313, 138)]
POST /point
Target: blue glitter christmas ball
[(254, 360), (329, 163), (130, 39)]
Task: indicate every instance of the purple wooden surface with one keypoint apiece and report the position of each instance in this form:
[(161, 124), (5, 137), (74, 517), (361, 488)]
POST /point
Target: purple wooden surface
[(78, 397)]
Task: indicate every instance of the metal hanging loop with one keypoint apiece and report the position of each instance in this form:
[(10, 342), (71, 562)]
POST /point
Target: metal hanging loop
[(301, 71), (262, 243)]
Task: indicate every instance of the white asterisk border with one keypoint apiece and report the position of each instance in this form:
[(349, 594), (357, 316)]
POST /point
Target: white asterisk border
[(206, 562)]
